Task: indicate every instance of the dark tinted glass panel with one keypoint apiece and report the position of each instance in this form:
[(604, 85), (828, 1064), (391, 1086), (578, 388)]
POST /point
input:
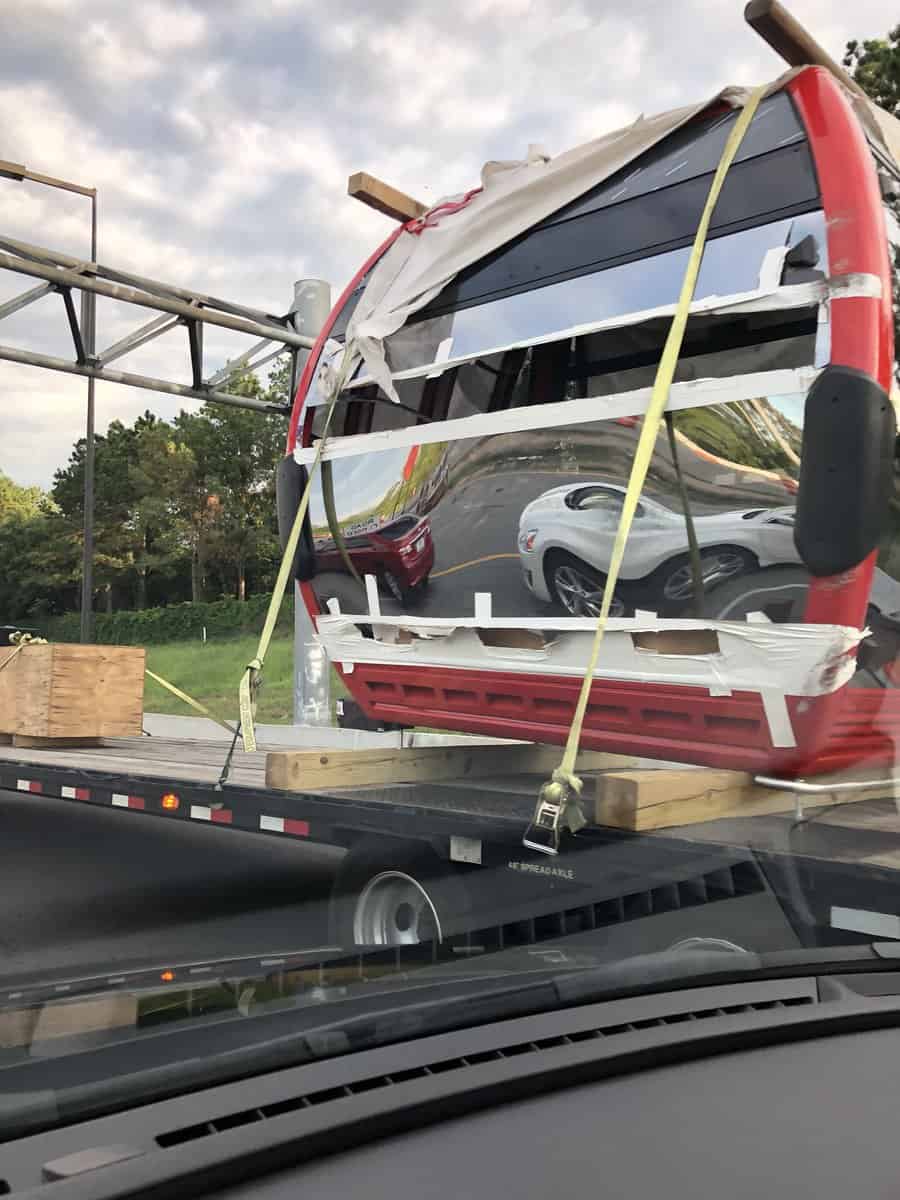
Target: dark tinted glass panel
[(693, 150), (731, 266), (760, 190)]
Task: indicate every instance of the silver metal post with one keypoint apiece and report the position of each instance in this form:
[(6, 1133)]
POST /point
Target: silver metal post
[(89, 312), (312, 676)]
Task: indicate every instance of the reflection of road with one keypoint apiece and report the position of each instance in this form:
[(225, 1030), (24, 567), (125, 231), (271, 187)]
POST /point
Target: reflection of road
[(475, 524), (478, 519)]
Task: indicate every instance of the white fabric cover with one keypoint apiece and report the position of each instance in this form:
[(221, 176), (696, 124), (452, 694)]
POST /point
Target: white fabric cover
[(515, 197)]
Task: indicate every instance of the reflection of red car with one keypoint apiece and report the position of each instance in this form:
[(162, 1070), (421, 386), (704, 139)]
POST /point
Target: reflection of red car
[(400, 554)]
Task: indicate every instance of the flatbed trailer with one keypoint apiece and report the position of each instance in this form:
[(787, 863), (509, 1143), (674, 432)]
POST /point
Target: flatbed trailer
[(443, 864)]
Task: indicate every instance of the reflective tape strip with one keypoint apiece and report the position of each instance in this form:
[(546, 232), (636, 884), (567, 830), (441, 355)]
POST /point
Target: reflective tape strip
[(284, 825), (219, 816), (860, 920), (28, 785), (122, 801), (70, 793)]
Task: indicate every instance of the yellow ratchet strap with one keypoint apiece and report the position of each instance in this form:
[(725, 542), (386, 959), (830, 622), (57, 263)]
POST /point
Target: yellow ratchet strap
[(558, 806), (186, 699), (250, 680)]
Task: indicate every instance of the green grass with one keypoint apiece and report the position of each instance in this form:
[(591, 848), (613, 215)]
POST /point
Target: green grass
[(211, 673)]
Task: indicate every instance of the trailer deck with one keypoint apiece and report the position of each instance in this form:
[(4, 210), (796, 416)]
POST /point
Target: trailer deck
[(764, 881), (139, 773)]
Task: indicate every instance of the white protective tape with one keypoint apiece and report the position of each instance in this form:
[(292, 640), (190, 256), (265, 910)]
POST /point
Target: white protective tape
[(482, 607), (781, 731), (787, 660), (694, 393), (372, 596)]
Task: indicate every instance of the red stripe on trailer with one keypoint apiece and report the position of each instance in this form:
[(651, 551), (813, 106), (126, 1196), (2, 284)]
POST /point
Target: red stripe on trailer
[(221, 816), (70, 793), (284, 825), (29, 785), (122, 801)]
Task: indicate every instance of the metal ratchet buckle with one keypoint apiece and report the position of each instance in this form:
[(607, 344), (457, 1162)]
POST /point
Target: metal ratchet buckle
[(559, 810), (543, 832)]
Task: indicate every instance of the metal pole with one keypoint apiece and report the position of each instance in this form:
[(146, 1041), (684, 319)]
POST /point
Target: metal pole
[(89, 310), (312, 674)]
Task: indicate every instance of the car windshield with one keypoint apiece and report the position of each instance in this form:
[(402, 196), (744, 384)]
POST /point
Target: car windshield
[(219, 868)]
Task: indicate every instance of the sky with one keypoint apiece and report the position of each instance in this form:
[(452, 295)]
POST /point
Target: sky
[(220, 135)]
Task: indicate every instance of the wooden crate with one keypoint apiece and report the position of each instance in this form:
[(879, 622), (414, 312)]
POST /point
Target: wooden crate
[(76, 692)]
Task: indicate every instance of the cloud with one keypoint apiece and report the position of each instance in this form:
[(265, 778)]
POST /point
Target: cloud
[(220, 136)]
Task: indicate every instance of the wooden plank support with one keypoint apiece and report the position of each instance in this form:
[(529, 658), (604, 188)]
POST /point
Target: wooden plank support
[(384, 198), (308, 770), (664, 799), (22, 742), (789, 39)]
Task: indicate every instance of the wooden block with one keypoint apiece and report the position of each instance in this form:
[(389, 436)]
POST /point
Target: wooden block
[(67, 691), (22, 742), (384, 198), (17, 1026), (665, 799), (8, 667), (307, 770), (118, 1011)]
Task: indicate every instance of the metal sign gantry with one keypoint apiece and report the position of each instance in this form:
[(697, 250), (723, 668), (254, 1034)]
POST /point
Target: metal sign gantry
[(176, 306), (293, 333)]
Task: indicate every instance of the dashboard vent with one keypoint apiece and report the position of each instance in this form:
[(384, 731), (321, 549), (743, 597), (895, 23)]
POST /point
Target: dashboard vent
[(190, 1133)]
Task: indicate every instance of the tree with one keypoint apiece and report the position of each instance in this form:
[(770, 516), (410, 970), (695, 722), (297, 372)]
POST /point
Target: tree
[(17, 500), (177, 506), (140, 477), (47, 560), (875, 66), (155, 532), (237, 451)]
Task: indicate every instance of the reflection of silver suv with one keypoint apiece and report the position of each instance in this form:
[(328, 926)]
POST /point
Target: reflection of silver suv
[(566, 538)]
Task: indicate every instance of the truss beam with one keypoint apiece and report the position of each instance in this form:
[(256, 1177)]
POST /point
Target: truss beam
[(17, 303), (133, 295), (30, 358)]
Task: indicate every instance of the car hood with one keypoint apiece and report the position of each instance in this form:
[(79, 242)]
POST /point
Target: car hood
[(553, 503)]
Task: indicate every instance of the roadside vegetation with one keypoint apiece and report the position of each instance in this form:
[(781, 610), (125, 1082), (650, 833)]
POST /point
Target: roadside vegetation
[(211, 674)]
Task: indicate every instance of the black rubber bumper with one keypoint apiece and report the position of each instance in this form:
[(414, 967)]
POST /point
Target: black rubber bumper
[(846, 472)]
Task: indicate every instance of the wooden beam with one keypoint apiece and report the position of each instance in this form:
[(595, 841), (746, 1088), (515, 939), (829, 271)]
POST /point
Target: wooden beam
[(666, 799), (384, 198), (307, 770), (789, 39)]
